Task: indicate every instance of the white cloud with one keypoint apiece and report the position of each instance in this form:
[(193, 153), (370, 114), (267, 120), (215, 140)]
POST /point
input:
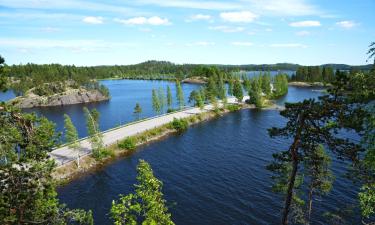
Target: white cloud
[(201, 43), (93, 20), (346, 24), (227, 29), (241, 16), (261, 7), (199, 17), (193, 4), (306, 23), (288, 45), (240, 43), (154, 20), (72, 45), (283, 7), (39, 15), (65, 4), (303, 33)]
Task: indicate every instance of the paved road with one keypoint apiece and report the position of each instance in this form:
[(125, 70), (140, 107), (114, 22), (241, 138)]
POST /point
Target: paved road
[(65, 154)]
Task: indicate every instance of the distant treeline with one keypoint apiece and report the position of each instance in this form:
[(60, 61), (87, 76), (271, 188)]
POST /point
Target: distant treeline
[(150, 70), (325, 74), (32, 75), (50, 79)]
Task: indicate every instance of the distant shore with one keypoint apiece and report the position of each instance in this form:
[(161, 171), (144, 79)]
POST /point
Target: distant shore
[(308, 84)]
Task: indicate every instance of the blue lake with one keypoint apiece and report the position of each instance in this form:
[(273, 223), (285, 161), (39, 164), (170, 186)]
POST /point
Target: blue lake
[(118, 110), (212, 174)]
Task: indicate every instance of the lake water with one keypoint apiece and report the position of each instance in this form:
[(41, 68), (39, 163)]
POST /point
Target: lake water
[(119, 110), (212, 174)]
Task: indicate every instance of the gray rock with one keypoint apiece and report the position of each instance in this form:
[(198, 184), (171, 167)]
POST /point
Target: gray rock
[(71, 98)]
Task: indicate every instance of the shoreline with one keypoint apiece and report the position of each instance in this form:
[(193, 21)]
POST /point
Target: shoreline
[(71, 97), (308, 84), (68, 172)]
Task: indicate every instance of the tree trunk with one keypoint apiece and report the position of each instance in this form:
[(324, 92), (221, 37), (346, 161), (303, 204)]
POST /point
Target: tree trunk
[(310, 205), (289, 196), (294, 154)]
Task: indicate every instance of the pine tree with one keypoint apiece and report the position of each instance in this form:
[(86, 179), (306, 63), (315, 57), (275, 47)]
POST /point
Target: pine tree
[(266, 84), (230, 87), (169, 97), (255, 93), (237, 90), (93, 130), (71, 136), (156, 102), (180, 95), (146, 205), (317, 168), (162, 99), (137, 110)]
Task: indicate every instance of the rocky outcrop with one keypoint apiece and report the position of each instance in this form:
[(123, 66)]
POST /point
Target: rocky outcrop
[(71, 97), (195, 80)]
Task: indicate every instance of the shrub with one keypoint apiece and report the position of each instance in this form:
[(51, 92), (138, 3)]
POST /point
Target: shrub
[(232, 107), (180, 125), (170, 110), (193, 119), (102, 153), (129, 143)]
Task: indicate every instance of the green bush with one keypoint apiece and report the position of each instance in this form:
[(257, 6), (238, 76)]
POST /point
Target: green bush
[(232, 107), (129, 143), (180, 125), (170, 110), (102, 153)]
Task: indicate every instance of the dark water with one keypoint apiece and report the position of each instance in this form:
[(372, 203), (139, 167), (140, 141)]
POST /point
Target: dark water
[(212, 174), (119, 110)]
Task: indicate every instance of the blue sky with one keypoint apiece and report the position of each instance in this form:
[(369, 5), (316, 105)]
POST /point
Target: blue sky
[(93, 32)]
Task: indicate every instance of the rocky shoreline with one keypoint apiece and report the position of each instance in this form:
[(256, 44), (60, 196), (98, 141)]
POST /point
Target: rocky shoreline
[(71, 97), (307, 84)]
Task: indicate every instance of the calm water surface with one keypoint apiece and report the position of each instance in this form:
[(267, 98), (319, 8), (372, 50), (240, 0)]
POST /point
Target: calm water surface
[(118, 110), (212, 174)]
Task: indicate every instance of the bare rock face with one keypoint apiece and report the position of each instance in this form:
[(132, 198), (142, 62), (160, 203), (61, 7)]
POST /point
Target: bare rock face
[(76, 96)]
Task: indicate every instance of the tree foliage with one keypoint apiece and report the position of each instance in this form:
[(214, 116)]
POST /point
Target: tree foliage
[(93, 130), (180, 95), (348, 105), (156, 105), (27, 191), (169, 97), (146, 205), (237, 90), (137, 110)]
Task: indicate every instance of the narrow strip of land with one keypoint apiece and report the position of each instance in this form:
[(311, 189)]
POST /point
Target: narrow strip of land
[(65, 154)]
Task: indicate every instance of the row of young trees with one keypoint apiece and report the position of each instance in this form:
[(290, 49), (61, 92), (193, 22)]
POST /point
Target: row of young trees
[(302, 172), (160, 100)]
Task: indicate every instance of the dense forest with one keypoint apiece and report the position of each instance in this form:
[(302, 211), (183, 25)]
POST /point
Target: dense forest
[(50, 79), (325, 74), (146, 70)]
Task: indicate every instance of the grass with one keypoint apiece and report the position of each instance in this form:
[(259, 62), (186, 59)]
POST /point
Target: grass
[(130, 143)]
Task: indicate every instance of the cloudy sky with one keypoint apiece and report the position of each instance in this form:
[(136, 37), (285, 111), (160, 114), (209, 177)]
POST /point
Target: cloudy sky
[(94, 32)]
